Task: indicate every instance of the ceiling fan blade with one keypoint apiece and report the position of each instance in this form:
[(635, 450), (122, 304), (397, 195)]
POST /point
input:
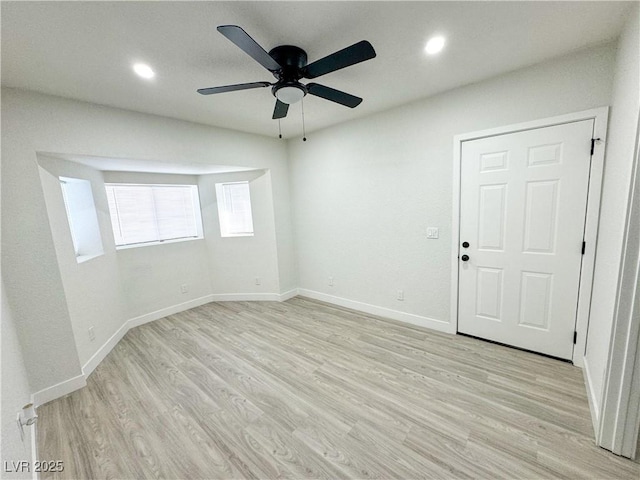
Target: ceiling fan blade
[(356, 53), (280, 110), (242, 39), (232, 88), (333, 95)]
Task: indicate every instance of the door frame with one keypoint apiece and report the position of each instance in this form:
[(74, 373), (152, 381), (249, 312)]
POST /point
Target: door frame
[(619, 421), (600, 117)]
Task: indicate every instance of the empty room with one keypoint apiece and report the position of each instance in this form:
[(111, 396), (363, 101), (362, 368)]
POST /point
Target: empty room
[(320, 240)]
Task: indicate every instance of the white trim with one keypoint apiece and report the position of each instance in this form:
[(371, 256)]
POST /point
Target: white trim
[(620, 414), (58, 390), (426, 322), (288, 295), (34, 450), (600, 117), (592, 220), (164, 312), (455, 230), (253, 297), (539, 123), (104, 350), (594, 403), (86, 258), (214, 297), (245, 297), (129, 246)]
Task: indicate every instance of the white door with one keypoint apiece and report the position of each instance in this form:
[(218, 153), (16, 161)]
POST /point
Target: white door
[(523, 201)]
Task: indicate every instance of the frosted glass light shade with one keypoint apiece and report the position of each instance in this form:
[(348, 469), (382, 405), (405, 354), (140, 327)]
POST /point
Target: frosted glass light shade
[(289, 95)]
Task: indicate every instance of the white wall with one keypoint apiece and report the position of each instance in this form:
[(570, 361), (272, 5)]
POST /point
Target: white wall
[(34, 123), (92, 290), (14, 391), (236, 261), (623, 126), (15, 394), (364, 192), (33, 280), (151, 275)]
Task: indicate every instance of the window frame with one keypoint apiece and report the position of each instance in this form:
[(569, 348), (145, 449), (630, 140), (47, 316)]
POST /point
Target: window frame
[(196, 208), (86, 237), (225, 232)]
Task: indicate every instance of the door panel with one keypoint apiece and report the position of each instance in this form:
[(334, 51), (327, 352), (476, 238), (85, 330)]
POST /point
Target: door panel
[(489, 293), (540, 217), (491, 217), (522, 209), (535, 299)]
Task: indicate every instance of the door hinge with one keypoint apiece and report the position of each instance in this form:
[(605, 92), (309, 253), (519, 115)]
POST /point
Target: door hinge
[(575, 337), (593, 144), (584, 247)]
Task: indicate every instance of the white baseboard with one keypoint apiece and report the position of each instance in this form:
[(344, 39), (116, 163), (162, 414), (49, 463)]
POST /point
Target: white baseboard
[(59, 390), (591, 395), (104, 350), (164, 312), (426, 322), (253, 297), (288, 295), (245, 297)]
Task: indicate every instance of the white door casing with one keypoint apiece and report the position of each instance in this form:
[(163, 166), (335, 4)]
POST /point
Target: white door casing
[(523, 199)]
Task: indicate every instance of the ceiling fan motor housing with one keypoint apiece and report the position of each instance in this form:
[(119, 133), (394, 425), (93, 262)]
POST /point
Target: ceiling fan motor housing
[(293, 60)]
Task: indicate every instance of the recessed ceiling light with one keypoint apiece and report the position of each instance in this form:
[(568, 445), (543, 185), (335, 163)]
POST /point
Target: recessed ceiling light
[(144, 70), (434, 45)]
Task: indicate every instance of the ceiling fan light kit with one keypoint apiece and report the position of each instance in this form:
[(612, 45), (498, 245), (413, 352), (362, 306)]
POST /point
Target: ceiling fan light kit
[(288, 64), (289, 94)]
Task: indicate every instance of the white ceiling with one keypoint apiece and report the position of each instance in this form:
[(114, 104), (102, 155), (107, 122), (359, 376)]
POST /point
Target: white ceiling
[(85, 50)]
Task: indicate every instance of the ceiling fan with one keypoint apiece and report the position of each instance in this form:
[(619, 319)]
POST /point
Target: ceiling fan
[(288, 64)]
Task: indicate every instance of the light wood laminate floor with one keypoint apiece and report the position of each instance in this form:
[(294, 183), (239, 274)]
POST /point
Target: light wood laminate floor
[(302, 389)]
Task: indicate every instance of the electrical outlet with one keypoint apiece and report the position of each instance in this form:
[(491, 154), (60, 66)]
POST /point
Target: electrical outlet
[(400, 295), (184, 288), (330, 282), (92, 334), (258, 281), (433, 232)]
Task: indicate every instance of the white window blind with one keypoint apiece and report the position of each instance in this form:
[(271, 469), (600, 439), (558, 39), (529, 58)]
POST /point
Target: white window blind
[(153, 213), (234, 209)]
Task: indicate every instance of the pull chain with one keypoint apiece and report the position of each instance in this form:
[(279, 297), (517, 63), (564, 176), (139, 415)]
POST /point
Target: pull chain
[(304, 133), (279, 129)]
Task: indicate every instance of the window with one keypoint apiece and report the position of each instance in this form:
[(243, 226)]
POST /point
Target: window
[(82, 218), (234, 209), (153, 213)]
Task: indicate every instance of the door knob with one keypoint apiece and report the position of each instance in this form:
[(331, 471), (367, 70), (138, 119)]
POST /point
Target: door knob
[(464, 258), (465, 244)]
